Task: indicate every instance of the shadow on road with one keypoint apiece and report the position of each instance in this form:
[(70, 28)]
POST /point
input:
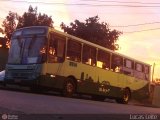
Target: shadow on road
[(76, 96)]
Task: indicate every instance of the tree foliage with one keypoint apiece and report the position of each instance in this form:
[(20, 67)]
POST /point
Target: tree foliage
[(14, 21), (9, 24), (32, 18), (94, 31)]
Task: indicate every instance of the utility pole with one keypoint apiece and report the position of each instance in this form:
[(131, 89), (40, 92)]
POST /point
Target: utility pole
[(153, 71)]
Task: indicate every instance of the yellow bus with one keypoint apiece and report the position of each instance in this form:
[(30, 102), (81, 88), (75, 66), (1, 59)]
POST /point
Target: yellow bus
[(42, 57)]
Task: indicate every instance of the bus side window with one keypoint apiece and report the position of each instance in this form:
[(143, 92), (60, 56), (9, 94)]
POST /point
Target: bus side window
[(103, 60), (146, 72), (74, 50), (116, 63), (139, 71), (89, 55), (128, 67), (56, 49)]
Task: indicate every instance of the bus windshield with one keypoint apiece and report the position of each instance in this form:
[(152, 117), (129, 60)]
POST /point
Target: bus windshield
[(27, 50)]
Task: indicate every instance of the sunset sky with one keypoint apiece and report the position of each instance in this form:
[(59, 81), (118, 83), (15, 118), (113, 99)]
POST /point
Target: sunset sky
[(139, 21)]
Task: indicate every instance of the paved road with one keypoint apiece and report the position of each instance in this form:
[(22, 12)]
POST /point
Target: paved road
[(13, 102)]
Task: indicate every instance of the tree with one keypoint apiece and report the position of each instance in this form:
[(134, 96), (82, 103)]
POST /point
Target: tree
[(9, 25), (94, 31), (30, 18)]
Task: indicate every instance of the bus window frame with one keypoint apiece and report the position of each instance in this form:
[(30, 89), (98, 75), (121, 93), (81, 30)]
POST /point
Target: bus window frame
[(132, 63), (58, 37), (84, 62), (128, 70), (80, 51), (146, 74), (107, 61), (114, 66), (139, 74), (142, 67)]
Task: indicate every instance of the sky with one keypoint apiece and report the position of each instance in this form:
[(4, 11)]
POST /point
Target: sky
[(139, 20)]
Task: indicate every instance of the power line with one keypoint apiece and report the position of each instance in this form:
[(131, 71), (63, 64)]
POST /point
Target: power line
[(105, 12), (114, 1), (104, 5), (136, 24), (85, 4), (143, 30)]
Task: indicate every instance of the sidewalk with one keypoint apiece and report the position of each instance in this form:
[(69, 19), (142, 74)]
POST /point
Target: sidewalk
[(145, 103)]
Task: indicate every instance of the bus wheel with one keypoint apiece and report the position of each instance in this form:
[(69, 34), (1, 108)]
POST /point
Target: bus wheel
[(125, 98), (69, 88)]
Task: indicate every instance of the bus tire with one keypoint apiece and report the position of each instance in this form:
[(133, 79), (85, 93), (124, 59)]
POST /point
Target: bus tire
[(125, 97), (69, 88)]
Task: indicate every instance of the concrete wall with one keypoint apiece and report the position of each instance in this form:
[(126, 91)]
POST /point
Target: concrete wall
[(3, 58), (156, 96)]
